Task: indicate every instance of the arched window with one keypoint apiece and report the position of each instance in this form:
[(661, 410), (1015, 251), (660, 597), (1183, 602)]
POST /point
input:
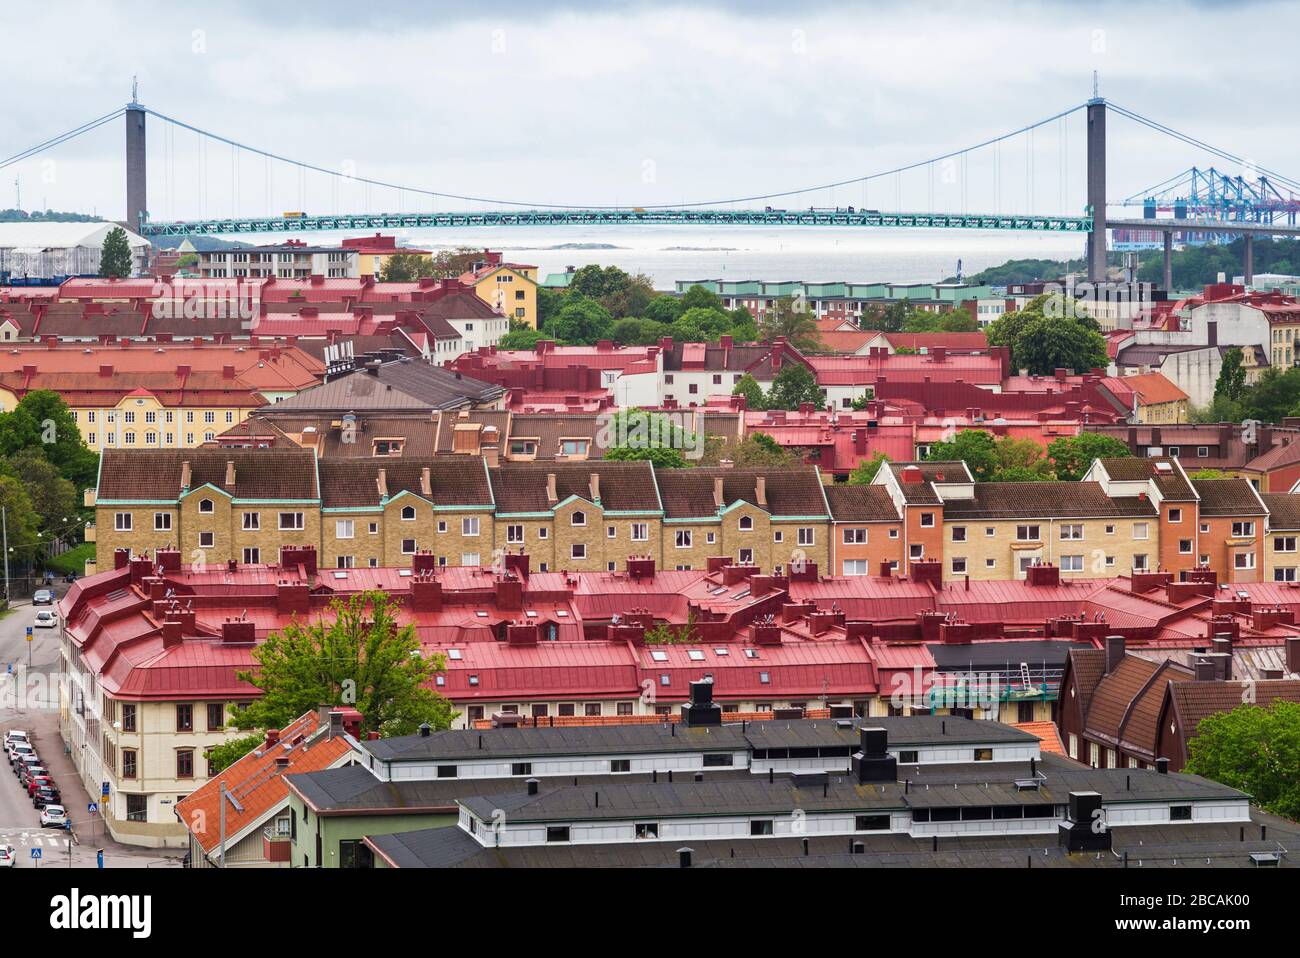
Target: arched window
[(408, 512), (579, 518), (746, 523), (205, 505)]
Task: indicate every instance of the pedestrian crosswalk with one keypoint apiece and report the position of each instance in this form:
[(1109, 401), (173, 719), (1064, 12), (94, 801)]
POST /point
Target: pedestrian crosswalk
[(34, 838)]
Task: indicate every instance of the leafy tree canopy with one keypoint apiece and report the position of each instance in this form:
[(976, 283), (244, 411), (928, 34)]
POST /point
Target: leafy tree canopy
[(115, 255), (1254, 749), (794, 385), (865, 472), (1071, 456)]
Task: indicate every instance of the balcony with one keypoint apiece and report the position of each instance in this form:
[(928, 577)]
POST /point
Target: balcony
[(88, 498), (90, 532), (275, 847)]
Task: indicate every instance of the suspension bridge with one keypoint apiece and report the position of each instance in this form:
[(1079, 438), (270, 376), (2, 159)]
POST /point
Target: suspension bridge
[(1257, 202)]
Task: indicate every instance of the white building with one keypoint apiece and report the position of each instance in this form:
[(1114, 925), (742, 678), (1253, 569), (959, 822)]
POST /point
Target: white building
[(51, 250)]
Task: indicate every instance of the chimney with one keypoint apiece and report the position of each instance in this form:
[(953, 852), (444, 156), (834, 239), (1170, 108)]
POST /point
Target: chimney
[(1114, 652), (187, 475), (718, 500), (238, 632), (230, 473), (1162, 766), (426, 484), (426, 593), (1293, 655), (381, 482), (910, 475), (872, 763), (1043, 574), (760, 491), (1079, 832), (551, 496), (594, 484), (509, 593), (640, 567), (1204, 669), (701, 710)]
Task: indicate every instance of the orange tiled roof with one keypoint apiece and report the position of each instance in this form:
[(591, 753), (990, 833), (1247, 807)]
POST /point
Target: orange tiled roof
[(1047, 734), (257, 782), (1154, 388)]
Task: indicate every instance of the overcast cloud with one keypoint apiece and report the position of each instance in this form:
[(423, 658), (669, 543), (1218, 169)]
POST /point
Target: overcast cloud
[(631, 103)]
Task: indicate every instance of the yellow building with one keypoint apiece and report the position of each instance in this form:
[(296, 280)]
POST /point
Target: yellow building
[(374, 251), (511, 288)]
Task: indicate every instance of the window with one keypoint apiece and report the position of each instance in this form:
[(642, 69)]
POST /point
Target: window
[(514, 533), (252, 521), (916, 551), (855, 537), (408, 547), (1027, 533), (469, 558), (640, 532), (579, 518), (128, 763), (408, 513), (1180, 813), (856, 567), (185, 763), (1185, 547), (122, 521), (958, 533), (469, 526), (778, 536), (344, 529), (1243, 560), (746, 523), (557, 833), (1202, 452), (1175, 515), (682, 538), (959, 565), (521, 768), (1140, 562), (983, 754), (185, 718), (291, 520), (216, 716), (611, 532), (137, 808), (1284, 544), (1072, 563), (128, 716), (1284, 574), (1072, 532), (578, 551), (927, 519), (592, 709), (1243, 530), (908, 756), (745, 556), (647, 829), (871, 823), (206, 506), (1140, 530), (807, 536), (252, 555), (760, 826)]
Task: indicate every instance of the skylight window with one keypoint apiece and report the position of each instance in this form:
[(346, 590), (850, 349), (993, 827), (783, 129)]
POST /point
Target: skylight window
[(659, 656), (721, 651), (695, 655), (751, 653), (481, 615), (454, 654)]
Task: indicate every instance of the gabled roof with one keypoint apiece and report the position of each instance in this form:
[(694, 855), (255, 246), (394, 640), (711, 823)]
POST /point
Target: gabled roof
[(257, 783), (453, 481), (154, 475), (1172, 484), (855, 503), (688, 493), (520, 487), (402, 385), (1228, 497), (1283, 510), (1048, 500), (1194, 701)]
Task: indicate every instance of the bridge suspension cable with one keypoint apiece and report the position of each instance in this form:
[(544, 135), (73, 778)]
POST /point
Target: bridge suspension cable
[(337, 175), (61, 138)]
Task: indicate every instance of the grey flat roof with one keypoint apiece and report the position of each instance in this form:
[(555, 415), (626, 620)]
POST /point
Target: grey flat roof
[(902, 732), (540, 742)]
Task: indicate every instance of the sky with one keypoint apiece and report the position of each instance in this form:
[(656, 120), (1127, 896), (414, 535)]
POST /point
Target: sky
[(631, 103)]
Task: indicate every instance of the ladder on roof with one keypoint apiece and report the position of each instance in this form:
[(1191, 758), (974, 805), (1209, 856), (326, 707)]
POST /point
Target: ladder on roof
[(1024, 675)]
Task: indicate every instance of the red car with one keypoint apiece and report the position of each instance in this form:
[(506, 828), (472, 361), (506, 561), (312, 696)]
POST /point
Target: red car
[(40, 781)]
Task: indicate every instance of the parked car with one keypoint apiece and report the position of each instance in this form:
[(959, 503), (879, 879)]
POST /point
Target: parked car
[(45, 619), (54, 816), (44, 797), (15, 735), (39, 781), (25, 762), (16, 750), (43, 597), (7, 856), (32, 771)]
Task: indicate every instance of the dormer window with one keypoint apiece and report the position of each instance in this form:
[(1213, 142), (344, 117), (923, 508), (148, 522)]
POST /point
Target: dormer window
[(408, 513), (206, 506), (579, 518), (746, 523)]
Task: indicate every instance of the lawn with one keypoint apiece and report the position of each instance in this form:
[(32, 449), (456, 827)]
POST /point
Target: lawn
[(74, 560)]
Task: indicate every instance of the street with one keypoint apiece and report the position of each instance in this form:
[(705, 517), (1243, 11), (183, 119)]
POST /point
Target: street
[(29, 700)]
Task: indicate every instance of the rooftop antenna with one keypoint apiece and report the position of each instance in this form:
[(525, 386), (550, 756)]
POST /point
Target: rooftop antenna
[(1095, 89), (135, 88)]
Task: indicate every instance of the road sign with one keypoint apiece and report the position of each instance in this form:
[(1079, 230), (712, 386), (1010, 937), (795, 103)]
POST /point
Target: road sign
[(36, 854), (29, 633), (92, 808), (104, 792), (99, 858)]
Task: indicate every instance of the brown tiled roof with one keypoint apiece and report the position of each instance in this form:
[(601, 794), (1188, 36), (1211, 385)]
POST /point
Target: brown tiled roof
[(1171, 484), (362, 343), (1045, 500), (155, 474), (400, 386), (922, 493), (688, 493), (1282, 454), (454, 481), (1195, 701), (444, 425), (549, 428), (860, 503), (1141, 731), (1088, 665), (1227, 497), (716, 359), (624, 486), (1114, 693), (1283, 510)]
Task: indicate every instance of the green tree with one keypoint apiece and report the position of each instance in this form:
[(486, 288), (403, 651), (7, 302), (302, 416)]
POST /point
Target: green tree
[(1047, 344), (221, 757), (697, 297), (405, 268), (748, 387), (994, 460), (1254, 749), (53, 498), (21, 517), (665, 634), (864, 474), (580, 321), (1071, 456), (361, 657), (549, 303), (450, 263), (794, 385), (618, 292), (115, 255), (1232, 376), (664, 309), (634, 435), (793, 321), (1208, 474), (760, 449), (42, 421), (521, 336)]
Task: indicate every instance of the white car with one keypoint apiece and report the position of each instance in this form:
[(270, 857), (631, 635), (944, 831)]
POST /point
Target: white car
[(45, 619), (17, 750), (16, 735), (7, 856), (54, 816)]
